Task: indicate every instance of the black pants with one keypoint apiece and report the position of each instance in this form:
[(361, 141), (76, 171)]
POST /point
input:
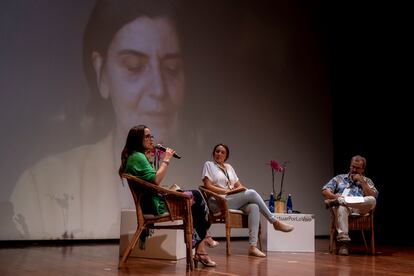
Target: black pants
[(201, 222)]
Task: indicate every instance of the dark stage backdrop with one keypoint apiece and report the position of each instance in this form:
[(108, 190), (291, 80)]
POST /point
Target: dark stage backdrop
[(371, 107), (256, 78)]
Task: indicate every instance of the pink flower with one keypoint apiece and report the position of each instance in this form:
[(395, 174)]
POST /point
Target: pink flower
[(278, 168), (275, 166)]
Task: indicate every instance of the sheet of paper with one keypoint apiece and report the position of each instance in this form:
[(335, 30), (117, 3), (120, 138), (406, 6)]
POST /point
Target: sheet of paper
[(345, 192), (354, 199)]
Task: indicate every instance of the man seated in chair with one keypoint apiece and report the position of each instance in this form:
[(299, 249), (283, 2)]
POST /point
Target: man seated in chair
[(351, 193)]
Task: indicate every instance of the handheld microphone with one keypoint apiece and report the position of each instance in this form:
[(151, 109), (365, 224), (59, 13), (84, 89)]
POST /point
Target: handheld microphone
[(164, 149)]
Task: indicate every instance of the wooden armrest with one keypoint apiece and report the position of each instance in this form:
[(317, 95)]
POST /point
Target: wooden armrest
[(154, 188), (236, 191), (221, 201)]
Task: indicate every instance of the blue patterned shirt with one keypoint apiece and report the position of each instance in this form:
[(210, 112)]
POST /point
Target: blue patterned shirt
[(342, 181)]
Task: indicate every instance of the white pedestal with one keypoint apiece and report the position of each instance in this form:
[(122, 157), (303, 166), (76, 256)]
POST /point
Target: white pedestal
[(218, 230), (162, 244), (301, 239)]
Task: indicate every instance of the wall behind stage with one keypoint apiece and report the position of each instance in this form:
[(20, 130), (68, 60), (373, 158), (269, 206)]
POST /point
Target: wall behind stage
[(256, 79)]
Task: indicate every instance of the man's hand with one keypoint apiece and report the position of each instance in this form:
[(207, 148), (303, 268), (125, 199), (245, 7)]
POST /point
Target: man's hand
[(358, 178)]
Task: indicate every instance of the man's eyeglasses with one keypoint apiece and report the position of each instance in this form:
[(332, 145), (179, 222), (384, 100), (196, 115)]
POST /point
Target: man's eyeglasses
[(149, 136)]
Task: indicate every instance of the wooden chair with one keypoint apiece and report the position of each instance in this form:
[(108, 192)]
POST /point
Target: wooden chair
[(232, 218), (178, 208), (363, 223)]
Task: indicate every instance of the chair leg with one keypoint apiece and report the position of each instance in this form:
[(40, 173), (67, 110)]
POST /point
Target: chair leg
[(332, 234), (131, 246), (188, 245), (365, 241), (188, 238), (260, 237), (332, 244), (332, 241), (228, 251), (372, 242)]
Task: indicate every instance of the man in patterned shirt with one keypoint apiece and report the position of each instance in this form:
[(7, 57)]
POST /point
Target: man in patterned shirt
[(349, 194)]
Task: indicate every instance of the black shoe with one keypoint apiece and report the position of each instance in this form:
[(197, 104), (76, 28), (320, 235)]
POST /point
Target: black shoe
[(331, 203)]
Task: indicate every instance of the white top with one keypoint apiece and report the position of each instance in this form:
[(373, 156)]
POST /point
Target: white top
[(218, 176)]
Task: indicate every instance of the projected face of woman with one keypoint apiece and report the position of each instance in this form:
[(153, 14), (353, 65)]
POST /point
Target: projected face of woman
[(143, 75)]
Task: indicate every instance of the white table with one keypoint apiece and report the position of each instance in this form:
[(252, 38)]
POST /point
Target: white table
[(301, 239)]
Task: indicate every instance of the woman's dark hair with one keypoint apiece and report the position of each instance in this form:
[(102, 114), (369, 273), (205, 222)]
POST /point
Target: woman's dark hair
[(224, 146), (134, 143), (106, 19)]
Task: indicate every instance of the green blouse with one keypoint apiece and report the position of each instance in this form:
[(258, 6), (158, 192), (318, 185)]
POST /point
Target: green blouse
[(138, 165)]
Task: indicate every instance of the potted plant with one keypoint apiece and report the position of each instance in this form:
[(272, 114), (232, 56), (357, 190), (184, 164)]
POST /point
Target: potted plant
[(280, 200)]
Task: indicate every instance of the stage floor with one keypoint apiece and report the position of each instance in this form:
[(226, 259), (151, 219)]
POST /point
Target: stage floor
[(102, 259)]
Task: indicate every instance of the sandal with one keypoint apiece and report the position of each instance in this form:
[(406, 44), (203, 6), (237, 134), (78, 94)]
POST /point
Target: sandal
[(204, 259), (210, 242)]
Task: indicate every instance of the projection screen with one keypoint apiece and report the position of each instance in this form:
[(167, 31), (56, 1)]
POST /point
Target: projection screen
[(250, 74)]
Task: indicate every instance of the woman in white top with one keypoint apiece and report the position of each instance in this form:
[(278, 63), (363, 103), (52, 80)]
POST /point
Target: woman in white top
[(221, 178)]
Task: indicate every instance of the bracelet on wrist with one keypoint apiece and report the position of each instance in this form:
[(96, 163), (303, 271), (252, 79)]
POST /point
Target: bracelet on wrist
[(166, 162)]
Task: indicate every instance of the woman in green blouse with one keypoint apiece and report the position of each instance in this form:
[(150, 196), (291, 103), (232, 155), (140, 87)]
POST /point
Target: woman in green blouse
[(135, 160)]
